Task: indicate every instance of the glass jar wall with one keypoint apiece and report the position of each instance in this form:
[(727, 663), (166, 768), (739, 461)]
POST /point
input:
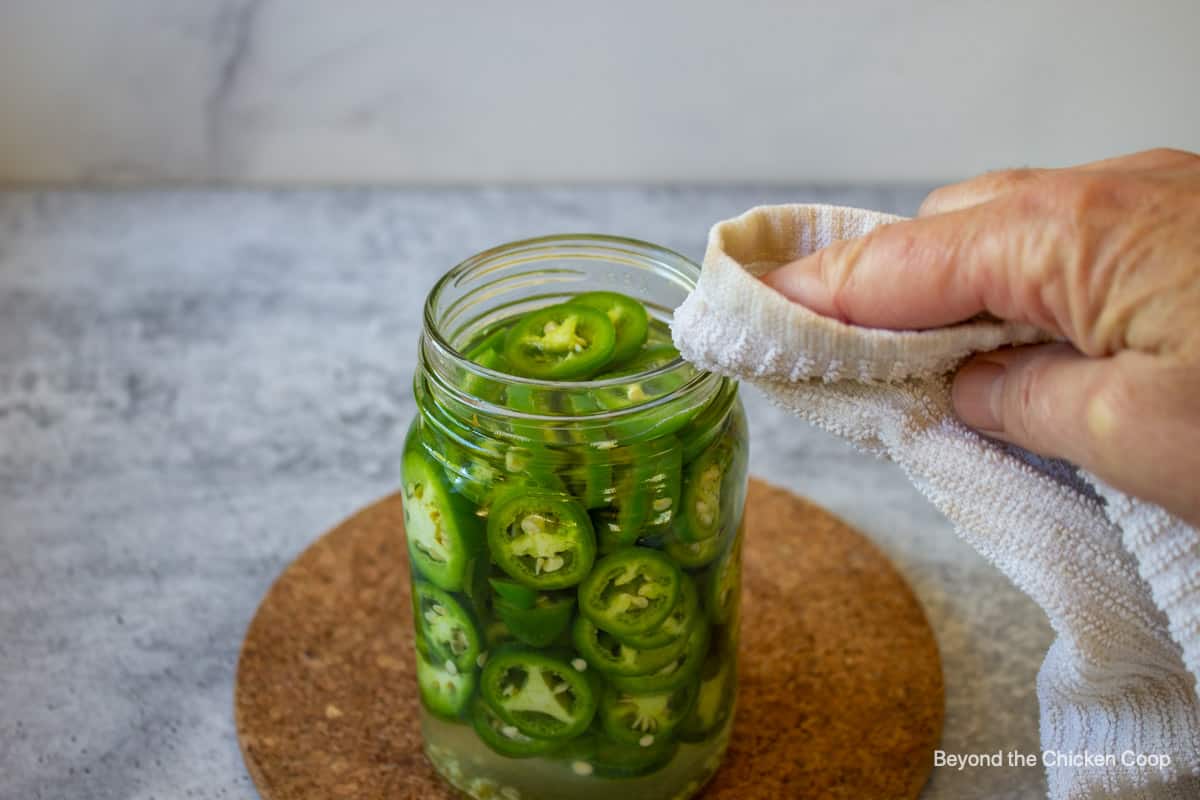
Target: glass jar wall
[(575, 546)]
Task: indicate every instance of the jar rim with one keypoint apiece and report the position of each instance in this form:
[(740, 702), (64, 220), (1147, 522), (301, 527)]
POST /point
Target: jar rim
[(684, 270)]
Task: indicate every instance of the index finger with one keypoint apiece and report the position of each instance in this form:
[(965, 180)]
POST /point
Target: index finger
[(989, 185), (931, 271)]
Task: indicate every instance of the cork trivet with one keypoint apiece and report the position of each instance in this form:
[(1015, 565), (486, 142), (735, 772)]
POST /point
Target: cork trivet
[(841, 686)]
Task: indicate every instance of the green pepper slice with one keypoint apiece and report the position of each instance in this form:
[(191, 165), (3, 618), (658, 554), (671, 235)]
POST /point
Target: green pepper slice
[(561, 342), (651, 357), (492, 342), (590, 478), (680, 670), (694, 555), (539, 624), (446, 626), (515, 593), (628, 317), (608, 654), (443, 688), (473, 479), (647, 424), (701, 432), (495, 634), (594, 754), (630, 591), (471, 466), (529, 465), (504, 738), (444, 540), (677, 624), (531, 400), (542, 539), (702, 494), (646, 494), (487, 352), (714, 700), (540, 695), (723, 585), (645, 718)]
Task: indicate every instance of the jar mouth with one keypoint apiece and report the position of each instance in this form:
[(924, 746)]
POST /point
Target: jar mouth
[(492, 270)]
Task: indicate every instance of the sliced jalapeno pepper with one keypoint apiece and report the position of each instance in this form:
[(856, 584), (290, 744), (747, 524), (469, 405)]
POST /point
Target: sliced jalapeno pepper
[(646, 494), (492, 342), (443, 532), (473, 478), (529, 399), (542, 539), (630, 591), (443, 688), (589, 476), (663, 419), (487, 352), (446, 626), (540, 695), (634, 392), (610, 655), (539, 624), (532, 400), (701, 432), (723, 585), (703, 495), (693, 555), (677, 624), (651, 357), (714, 700), (515, 593), (562, 342), (591, 481), (681, 669), (628, 317), (471, 466), (596, 754), (504, 738), (644, 719), (530, 465), (495, 634)]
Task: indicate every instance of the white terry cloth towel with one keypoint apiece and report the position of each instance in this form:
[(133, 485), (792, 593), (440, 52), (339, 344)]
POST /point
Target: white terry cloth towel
[(1119, 579)]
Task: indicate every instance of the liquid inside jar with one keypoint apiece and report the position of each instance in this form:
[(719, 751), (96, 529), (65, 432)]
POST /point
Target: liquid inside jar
[(575, 551)]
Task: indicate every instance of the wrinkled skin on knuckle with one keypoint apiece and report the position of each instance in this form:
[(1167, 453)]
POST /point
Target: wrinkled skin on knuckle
[(1145, 272), (1084, 240), (978, 189), (1010, 179), (1029, 281)]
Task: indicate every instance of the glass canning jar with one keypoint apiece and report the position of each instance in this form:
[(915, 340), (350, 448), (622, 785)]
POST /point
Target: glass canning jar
[(575, 546)]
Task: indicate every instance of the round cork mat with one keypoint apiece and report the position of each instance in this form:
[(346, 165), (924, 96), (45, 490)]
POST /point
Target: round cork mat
[(840, 692)]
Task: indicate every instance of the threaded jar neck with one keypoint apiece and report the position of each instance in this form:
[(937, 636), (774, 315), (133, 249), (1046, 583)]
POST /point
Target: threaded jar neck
[(518, 277)]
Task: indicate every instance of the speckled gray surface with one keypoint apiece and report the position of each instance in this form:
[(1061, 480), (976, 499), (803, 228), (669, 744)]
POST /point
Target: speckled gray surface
[(194, 384)]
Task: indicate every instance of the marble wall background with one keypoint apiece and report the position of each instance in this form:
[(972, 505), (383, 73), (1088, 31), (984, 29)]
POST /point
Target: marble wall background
[(538, 90)]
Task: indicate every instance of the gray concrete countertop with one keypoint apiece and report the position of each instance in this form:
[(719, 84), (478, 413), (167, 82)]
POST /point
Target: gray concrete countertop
[(194, 384)]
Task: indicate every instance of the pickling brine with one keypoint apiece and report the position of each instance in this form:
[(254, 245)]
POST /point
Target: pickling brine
[(573, 496)]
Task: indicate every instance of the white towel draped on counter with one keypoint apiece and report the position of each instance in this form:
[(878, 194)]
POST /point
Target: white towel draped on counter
[(1119, 579)]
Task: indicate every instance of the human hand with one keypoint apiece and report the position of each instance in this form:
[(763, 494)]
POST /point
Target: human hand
[(1105, 256)]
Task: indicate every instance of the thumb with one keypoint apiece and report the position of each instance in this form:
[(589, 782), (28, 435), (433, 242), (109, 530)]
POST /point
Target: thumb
[(1034, 397), (1126, 418)]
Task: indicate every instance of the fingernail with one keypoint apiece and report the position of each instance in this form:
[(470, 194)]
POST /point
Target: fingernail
[(978, 393)]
